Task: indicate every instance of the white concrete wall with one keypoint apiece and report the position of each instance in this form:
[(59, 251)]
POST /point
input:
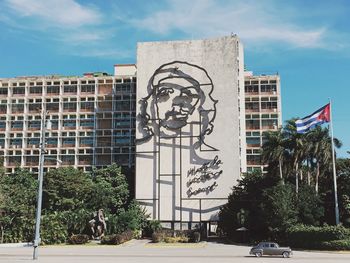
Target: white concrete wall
[(124, 70), (164, 161)]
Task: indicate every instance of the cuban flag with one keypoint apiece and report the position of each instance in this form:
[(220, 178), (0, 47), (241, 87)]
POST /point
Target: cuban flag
[(319, 117)]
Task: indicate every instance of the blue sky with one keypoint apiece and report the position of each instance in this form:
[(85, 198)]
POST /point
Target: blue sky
[(306, 41)]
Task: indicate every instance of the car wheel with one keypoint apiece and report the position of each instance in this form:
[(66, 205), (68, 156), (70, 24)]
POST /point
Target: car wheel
[(285, 254), (258, 254)]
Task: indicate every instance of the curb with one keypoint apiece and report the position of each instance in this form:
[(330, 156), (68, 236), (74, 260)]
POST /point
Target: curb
[(176, 245), (16, 245)]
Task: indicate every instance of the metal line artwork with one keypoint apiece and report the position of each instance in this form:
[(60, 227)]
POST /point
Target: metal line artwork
[(207, 190), (185, 100), (179, 94), (207, 171)]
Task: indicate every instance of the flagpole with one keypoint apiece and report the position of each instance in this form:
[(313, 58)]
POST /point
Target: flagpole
[(334, 169)]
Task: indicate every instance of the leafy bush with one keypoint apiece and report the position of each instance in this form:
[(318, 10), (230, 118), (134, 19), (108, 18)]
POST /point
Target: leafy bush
[(312, 237), (175, 236), (179, 239), (134, 218), (150, 227), (53, 229), (343, 244), (196, 237), (117, 239), (78, 239), (158, 237)]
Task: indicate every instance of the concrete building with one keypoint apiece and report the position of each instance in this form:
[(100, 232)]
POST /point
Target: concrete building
[(92, 120), (190, 128), (263, 113)]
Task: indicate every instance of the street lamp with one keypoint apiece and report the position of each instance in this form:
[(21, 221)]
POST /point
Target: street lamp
[(40, 179)]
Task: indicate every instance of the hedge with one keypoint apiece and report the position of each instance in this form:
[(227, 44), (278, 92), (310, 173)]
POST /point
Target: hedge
[(343, 244), (78, 239), (176, 236), (117, 239), (301, 236)]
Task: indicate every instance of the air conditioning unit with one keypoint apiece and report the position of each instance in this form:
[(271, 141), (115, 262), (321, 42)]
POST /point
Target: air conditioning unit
[(274, 110)]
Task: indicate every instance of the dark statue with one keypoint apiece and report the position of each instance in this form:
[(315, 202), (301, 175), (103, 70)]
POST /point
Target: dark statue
[(98, 225)]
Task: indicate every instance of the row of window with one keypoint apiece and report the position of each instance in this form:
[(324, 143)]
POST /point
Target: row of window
[(262, 124), (71, 106), (70, 89), (85, 151), (260, 89), (71, 159)]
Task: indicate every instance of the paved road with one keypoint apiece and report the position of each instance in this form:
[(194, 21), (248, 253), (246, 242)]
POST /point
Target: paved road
[(142, 251)]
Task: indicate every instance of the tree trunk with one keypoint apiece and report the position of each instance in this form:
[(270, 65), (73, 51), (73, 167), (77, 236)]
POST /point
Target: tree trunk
[(308, 172), (2, 234), (296, 178), (317, 175), (280, 166)]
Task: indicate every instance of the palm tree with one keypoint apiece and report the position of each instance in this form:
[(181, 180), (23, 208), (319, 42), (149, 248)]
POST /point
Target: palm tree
[(296, 145), (274, 149), (320, 150)]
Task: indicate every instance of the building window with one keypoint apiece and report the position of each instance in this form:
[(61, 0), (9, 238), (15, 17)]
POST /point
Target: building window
[(33, 141), (16, 142), (36, 90), (17, 125), (88, 88), (68, 159), (52, 142), (252, 106), (69, 123), (125, 87), (253, 141), (53, 90), (87, 123), (267, 105), (251, 89), (252, 124), (86, 141), (70, 106), (17, 108), (87, 105), (18, 90), (3, 91), (70, 89), (70, 142)]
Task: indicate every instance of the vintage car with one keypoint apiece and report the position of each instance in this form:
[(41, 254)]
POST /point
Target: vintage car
[(271, 249)]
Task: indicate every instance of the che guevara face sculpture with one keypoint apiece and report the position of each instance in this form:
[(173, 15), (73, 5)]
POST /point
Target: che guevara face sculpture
[(179, 93)]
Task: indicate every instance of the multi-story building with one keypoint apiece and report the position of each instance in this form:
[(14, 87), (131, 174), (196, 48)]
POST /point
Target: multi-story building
[(263, 113), (91, 120), (196, 128)]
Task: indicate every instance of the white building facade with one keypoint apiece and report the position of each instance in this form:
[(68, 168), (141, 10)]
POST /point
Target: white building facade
[(190, 127)]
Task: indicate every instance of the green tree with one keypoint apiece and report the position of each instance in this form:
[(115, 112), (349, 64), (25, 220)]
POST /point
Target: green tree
[(110, 190), (343, 182), (66, 189), (280, 207), (297, 148), (274, 149), (309, 206), (246, 206), (19, 194), (320, 150)]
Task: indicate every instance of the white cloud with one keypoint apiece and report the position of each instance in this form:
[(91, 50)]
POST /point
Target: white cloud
[(256, 22), (57, 13)]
